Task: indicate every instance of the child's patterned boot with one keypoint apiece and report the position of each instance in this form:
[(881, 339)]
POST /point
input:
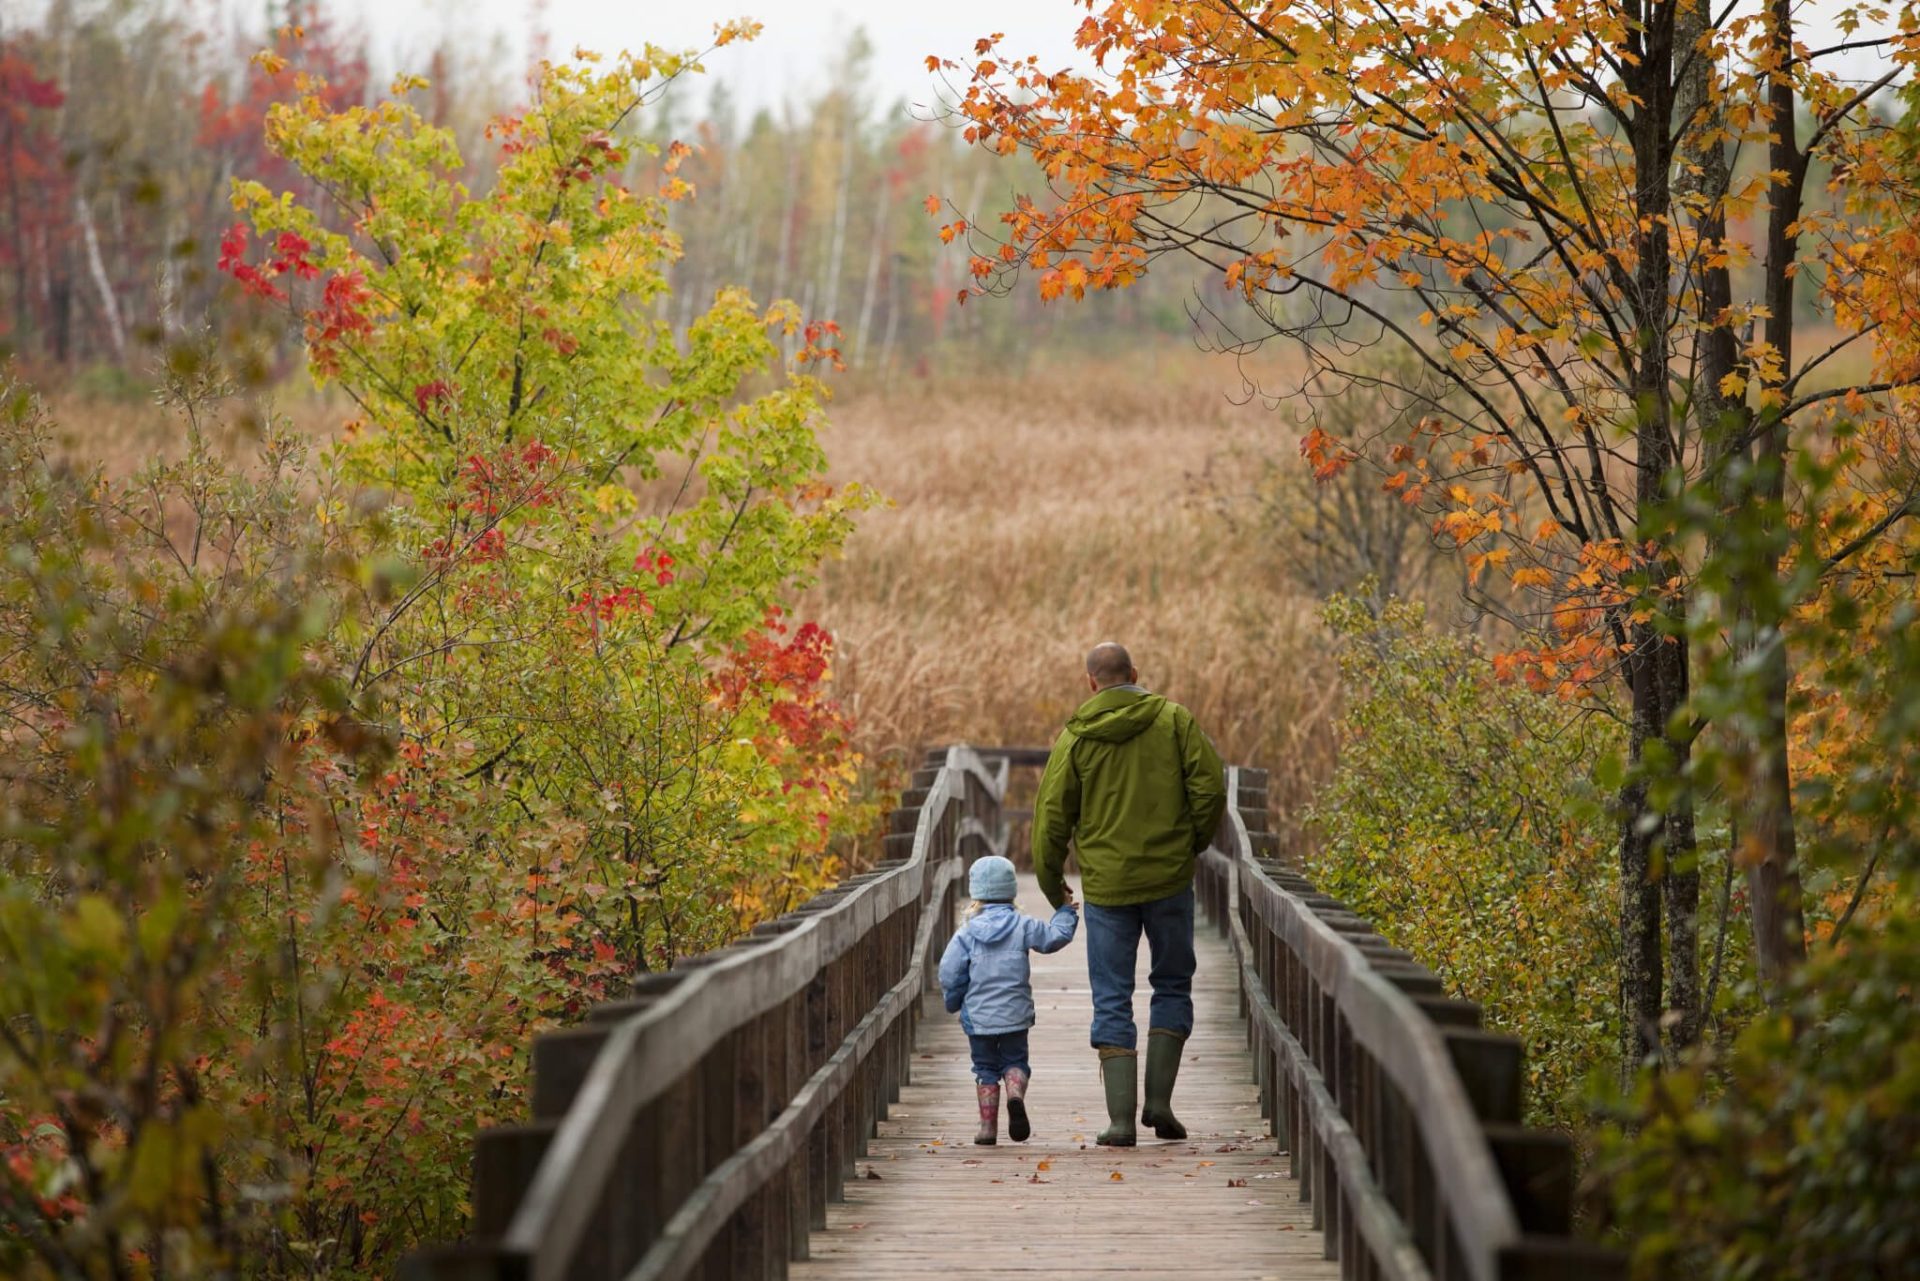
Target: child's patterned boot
[(1017, 1127), (989, 1116)]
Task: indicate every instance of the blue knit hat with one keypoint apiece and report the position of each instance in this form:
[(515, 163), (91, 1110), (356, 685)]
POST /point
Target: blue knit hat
[(991, 880)]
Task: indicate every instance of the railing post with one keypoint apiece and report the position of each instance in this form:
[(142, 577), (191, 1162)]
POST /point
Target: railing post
[(839, 1145), (751, 1074), (863, 967), (675, 1123), (775, 1197), (899, 953), (504, 1160), (717, 1109), (817, 1007)]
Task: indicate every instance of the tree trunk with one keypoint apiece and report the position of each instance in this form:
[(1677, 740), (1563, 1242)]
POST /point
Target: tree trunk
[(1640, 962), (1773, 875), (1721, 421), (876, 251), (1657, 863), (842, 198), (1680, 881), (788, 212), (97, 269)]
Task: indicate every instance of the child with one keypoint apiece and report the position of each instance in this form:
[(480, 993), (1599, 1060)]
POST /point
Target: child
[(984, 976)]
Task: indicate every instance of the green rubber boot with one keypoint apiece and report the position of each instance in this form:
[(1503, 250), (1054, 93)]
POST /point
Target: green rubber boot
[(1120, 1074), (1163, 1067)]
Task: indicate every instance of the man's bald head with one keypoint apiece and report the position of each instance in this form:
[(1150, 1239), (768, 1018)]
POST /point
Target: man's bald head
[(1108, 663)]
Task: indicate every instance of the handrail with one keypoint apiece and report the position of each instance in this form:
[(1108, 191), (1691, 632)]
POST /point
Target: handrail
[(1401, 1116), (703, 1124)]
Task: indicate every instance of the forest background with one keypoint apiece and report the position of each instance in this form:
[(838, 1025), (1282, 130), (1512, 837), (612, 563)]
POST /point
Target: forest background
[(586, 579)]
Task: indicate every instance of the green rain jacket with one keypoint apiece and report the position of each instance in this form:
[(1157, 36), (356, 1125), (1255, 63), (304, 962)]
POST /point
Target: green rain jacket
[(1138, 788)]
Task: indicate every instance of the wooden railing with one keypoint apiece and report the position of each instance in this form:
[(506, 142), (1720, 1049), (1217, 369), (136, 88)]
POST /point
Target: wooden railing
[(1400, 1113), (701, 1126)]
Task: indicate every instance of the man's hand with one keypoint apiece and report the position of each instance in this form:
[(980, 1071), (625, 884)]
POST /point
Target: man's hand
[(1066, 897)]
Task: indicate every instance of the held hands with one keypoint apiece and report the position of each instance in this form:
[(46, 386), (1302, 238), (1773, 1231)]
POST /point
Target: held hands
[(1067, 900)]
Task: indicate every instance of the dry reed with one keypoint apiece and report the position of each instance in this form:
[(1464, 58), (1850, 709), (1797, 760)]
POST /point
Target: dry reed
[(1035, 516)]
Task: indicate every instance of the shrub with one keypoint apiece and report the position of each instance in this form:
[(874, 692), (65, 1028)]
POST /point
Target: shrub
[(1461, 823), (1792, 1153)]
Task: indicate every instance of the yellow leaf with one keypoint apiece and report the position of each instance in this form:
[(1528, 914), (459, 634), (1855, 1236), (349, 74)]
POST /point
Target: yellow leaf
[(96, 926)]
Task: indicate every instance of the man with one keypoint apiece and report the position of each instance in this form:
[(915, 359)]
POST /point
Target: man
[(1139, 789)]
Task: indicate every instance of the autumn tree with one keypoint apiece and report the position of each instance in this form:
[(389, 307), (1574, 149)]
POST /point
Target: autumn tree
[(338, 772), (603, 517), (1547, 207), (34, 187)]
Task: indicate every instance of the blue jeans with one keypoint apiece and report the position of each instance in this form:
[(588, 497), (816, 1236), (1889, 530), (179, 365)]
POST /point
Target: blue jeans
[(994, 1055), (1113, 943)]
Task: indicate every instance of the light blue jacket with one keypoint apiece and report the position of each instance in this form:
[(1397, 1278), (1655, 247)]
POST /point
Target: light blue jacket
[(984, 974)]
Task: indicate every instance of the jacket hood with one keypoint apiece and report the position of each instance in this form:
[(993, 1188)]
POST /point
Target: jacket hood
[(1115, 715), (994, 922)]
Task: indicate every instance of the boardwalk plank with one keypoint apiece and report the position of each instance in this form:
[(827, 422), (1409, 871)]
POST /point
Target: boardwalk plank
[(926, 1202)]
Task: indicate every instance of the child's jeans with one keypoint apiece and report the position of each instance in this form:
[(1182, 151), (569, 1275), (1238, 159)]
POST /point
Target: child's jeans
[(994, 1055)]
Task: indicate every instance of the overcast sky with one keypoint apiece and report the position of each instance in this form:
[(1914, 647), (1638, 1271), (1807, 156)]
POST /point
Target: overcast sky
[(789, 60), (802, 37)]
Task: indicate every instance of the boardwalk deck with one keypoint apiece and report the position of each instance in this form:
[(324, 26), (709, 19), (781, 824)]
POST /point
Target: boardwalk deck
[(1218, 1204)]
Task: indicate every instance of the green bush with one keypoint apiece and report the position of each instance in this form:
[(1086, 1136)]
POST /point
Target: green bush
[(1461, 823), (1793, 1153)]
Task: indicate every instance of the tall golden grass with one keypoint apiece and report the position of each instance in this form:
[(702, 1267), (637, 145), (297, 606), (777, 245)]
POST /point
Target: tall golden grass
[(1034, 516)]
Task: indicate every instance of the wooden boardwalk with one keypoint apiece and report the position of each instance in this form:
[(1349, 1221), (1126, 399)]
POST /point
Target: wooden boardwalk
[(1218, 1204)]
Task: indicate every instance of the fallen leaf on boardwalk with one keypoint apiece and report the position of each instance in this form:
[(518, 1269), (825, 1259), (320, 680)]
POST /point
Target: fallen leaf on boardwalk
[(1236, 1183), (1033, 1178), (1046, 1163), (871, 1175), (855, 1227), (1286, 1227), (970, 1161), (1205, 1164), (1117, 1177)]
